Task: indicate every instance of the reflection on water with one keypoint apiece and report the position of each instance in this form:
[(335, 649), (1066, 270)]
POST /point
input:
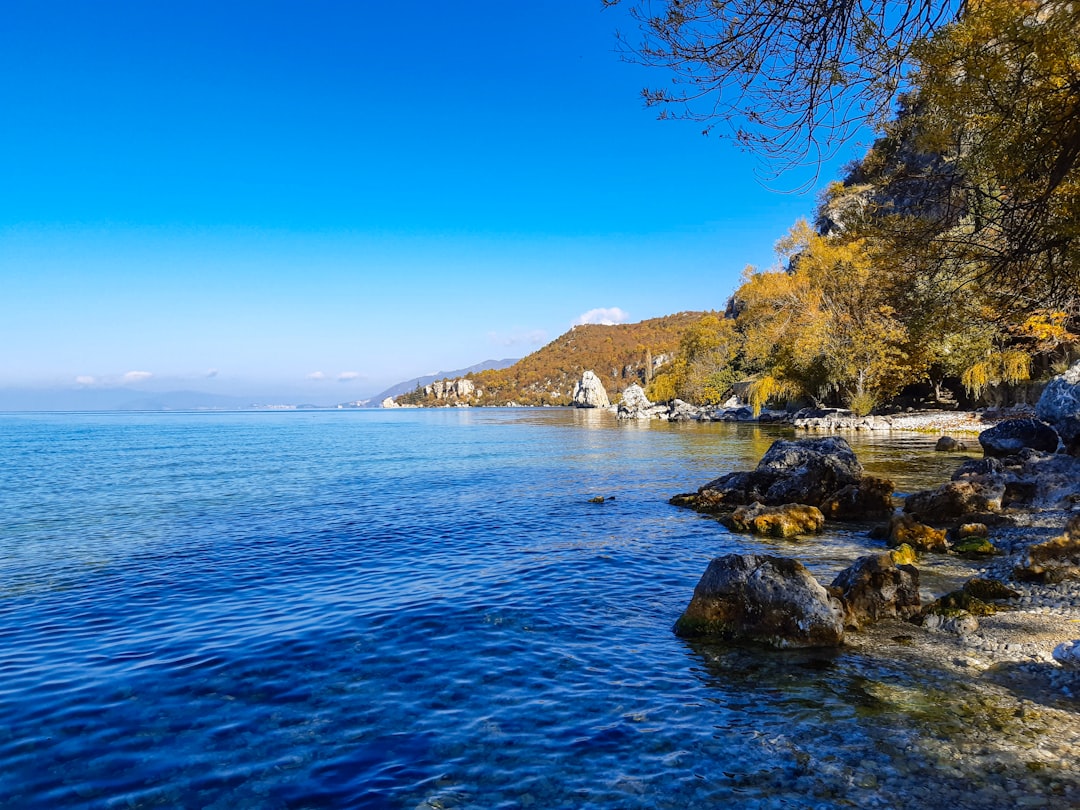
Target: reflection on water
[(403, 609)]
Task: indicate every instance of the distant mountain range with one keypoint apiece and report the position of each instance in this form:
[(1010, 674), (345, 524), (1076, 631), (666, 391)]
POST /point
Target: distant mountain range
[(413, 383), (120, 399)]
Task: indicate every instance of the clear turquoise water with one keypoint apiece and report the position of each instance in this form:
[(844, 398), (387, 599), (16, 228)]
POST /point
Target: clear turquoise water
[(406, 609)]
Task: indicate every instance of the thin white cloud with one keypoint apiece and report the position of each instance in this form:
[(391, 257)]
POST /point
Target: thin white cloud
[(605, 316), (348, 376), (316, 376), (532, 337), (137, 376), (85, 379)]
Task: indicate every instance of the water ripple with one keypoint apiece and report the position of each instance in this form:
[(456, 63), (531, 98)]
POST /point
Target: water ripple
[(408, 610)]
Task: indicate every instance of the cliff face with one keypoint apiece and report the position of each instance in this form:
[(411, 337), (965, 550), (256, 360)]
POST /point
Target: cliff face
[(900, 175), (620, 355)]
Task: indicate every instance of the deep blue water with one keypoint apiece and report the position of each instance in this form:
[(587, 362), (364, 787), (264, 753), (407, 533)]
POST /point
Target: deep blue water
[(402, 609)]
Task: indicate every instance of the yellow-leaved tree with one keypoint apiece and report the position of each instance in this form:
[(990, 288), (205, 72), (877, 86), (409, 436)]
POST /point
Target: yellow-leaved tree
[(824, 326)]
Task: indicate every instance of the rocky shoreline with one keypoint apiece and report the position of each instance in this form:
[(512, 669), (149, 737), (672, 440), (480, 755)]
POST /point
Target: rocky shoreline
[(993, 667)]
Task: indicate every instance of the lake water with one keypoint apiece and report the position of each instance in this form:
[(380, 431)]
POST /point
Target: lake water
[(413, 609)]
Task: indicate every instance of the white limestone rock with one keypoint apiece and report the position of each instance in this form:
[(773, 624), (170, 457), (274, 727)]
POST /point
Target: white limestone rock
[(589, 392)]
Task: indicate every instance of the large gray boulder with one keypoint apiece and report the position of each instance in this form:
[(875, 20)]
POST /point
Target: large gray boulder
[(589, 392), (771, 600), (801, 471), (875, 588), (1059, 407), (1015, 435), (816, 472)]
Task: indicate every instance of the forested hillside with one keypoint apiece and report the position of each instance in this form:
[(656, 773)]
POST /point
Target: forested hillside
[(620, 354), (950, 254)]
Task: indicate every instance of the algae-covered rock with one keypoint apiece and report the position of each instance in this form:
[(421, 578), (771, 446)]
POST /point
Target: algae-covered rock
[(974, 547), (955, 612), (968, 530), (875, 587), (788, 520), (960, 600), (903, 554), (906, 530), (772, 600), (986, 589), (1055, 560)]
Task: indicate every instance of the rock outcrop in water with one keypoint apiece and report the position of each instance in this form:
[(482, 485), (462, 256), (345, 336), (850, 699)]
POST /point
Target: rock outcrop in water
[(635, 405), (815, 472), (947, 444), (771, 600), (589, 392)]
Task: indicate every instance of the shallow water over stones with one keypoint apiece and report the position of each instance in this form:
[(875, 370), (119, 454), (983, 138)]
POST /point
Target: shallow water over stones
[(423, 609)]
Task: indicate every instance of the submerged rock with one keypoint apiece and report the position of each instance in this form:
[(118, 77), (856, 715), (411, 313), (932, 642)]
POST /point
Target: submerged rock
[(947, 444), (1059, 406), (772, 600), (1015, 435), (788, 520), (589, 392), (875, 587)]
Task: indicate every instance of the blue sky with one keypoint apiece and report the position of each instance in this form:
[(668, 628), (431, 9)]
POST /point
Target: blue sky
[(312, 200)]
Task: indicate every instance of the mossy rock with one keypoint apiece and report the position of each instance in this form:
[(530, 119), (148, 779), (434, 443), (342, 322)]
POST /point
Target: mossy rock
[(904, 554), (975, 547), (904, 529), (789, 520), (985, 589), (957, 603), (968, 530)]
